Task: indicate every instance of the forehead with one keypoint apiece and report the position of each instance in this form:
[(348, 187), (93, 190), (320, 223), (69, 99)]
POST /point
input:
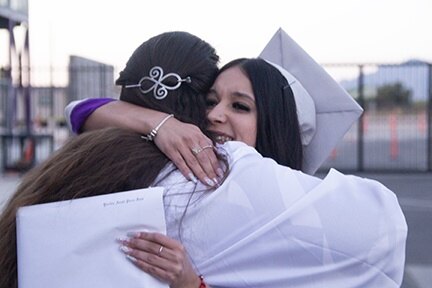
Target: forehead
[(233, 81)]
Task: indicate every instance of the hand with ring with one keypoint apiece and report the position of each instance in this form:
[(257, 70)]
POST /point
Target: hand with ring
[(161, 257), (174, 138), (197, 150), (190, 150)]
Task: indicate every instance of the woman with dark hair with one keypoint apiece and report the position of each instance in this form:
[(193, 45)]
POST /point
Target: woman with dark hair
[(113, 160), (275, 131), (267, 225)]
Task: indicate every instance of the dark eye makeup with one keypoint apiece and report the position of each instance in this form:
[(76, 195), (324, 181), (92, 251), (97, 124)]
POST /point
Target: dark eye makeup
[(241, 106)]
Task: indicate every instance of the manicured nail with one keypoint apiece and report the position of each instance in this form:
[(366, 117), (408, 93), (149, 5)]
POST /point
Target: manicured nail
[(219, 172), (209, 181), (125, 249), (193, 178), (216, 182), (131, 258), (122, 239)]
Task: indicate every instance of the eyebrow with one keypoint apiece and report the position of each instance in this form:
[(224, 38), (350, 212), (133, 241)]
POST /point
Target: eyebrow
[(235, 94), (243, 95)]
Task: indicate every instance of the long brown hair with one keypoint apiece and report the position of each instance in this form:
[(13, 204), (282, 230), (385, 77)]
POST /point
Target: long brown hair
[(95, 163), (175, 52), (113, 160)]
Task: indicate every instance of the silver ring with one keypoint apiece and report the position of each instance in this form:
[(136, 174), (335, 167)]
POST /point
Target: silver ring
[(160, 250), (197, 150)]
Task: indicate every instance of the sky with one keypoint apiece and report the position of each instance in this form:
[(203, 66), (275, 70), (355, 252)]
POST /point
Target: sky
[(331, 31)]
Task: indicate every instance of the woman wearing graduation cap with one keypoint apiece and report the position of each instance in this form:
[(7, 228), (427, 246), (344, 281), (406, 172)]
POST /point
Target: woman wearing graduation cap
[(268, 225)]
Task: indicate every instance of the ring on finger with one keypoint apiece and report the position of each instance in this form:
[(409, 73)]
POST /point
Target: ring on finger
[(160, 250), (197, 150)]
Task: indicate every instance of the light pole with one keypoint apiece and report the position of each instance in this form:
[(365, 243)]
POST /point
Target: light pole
[(21, 35)]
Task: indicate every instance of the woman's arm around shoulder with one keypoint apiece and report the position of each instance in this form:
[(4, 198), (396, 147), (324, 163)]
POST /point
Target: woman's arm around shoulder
[(174, 138)]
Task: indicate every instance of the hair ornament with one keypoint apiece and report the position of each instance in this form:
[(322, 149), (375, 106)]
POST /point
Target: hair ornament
[(157, 77), (304, 103), (289, 84)]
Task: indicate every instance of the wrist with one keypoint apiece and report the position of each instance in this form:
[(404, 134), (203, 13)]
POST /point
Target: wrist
[(153, 133), (202, 284), (194, 282), (139, 119)]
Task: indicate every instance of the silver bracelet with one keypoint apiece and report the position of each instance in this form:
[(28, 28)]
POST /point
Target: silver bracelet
[(154, 131)]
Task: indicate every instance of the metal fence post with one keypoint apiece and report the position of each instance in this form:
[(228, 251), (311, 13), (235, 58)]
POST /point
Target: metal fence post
[(360, 131), (429, 120), (11, 92)]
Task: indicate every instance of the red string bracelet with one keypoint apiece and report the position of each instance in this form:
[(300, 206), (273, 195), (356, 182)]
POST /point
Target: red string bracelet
[(202, 283)]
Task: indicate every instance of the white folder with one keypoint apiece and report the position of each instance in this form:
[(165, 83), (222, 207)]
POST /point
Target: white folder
[(73, 243)]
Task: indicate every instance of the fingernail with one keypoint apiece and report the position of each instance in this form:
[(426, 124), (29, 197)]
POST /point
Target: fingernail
[(131, 258), (209, 181), (193, 178), (219, 172), (216, 181), (125, 249), (122, 239)]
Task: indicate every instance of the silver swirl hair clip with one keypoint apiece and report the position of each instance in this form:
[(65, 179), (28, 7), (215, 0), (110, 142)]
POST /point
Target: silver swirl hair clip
[(160, 90)]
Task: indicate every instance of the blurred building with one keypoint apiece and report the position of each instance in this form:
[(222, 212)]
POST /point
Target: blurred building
[(15, 74), (90, 79)]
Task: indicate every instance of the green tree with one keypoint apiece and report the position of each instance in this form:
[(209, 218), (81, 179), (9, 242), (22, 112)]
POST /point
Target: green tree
[(392, 96)]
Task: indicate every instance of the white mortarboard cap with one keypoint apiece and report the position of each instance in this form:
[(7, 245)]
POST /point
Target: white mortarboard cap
[(336, 110)]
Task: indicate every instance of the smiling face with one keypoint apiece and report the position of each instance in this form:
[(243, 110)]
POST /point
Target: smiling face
[(231, 108)]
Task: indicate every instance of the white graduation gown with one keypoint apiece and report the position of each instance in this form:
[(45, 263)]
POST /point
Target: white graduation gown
[(270, 226)]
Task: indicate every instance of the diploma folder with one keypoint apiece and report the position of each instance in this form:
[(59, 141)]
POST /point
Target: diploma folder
[(73, 243)]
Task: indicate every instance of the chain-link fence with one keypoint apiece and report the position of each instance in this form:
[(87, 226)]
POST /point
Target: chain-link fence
[(394, 133)]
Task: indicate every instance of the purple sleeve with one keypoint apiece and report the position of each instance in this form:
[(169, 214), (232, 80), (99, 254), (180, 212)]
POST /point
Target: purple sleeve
[(82, 111)]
